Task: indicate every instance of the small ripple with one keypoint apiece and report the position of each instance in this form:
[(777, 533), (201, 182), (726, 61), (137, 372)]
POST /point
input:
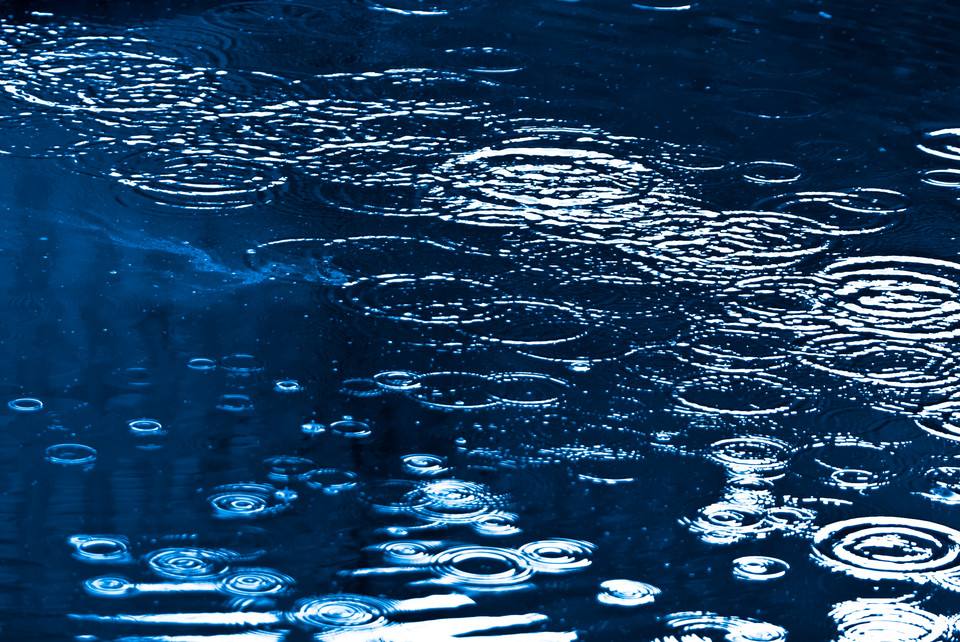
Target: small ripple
[(286, 468), (451, 501), (247, 501), (202, 364), (342, 611), (71, 455), (25, 405), (397, 380), (188, 563), (771, 172), (849, 212), (484, 60), (734, 629), (100, 549), (558, 555), (627, 593), (408, 552), (752, 455), (482, 568), (332, 481), (256, 582), (110, 586), (942, 178), (425, 465), (263, 17), (433, 300), (497, 524), (738, 396), (941, 485), (942, 143), (351, 428), (875, 619), (757, 568), (889, 548), (287, 386), (725, 523)]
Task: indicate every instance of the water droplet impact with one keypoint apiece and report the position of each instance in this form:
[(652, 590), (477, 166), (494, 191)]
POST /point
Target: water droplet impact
[(425, 465), (145, 426), (734, 629), (757, 568), (101, 549), (771, 172), (247, 501), (482, 568), (725, 523), (71, 455), (627, 593), (942, 143), (351, 428), (288, 468), (889, 548), (558, 555), (340, 612), (332, 481), (202, 364), (187, 563), (256, 582), (451, 500), (287, 386), (25, 404), (110, 586), (877, 619)]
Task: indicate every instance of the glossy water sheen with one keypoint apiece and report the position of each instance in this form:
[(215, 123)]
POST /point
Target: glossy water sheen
[(437, 320)]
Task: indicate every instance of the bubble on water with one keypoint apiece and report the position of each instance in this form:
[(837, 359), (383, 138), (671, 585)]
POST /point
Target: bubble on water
[(188, 563), (100, 549), (286, 468), (425, 465), (942, 177), (145, 427), (256, 582), (941, 484), (751, 454), (71, 454), (451, 501), (236, 403), (287, 386), (771, 172), (877, 619), (757, 568), (734, 629), (627, 593), (25, 405), (351, 428), (725, 523), (396, 380), (558, 555), (889, 548), (332, 481), (202, 364), (342, 611), (735, 350), (247, 501), (942, 143), (110, 586), (482, 568)]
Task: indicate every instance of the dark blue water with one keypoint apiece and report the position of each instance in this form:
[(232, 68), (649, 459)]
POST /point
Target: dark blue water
[(430, 320)]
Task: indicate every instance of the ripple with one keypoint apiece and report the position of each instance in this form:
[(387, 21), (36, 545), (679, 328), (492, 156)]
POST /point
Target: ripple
[(942, 143), (771, 172), (433, 300), (901, 297), (425, 465), (351, 428), (247, 501), (100, 549), (757, 568), (737, 396), (751, 454), (110, 586), (497, 524), (558, 555), (941, 419), (484, 60), (874, 619), (482, 568), (256, 582), (342, 611), (71, 454), (725, 523), (287, 386), (664, 5), (286, 468), (451, 501), (262, 17), (889, 548), (734, 629), (235, 403), (454, 391), (202, 364), (942, 485), (332, 481), (850, 463), (241, 364), (627, 593), (408, 553), (527, 388), (942, 177), (188, 563), (396, 380), (145, 427), (216, 177), (848, 212), (25, 405)]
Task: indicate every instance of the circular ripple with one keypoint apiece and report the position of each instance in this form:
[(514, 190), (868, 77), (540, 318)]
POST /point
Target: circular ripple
[(942, 485), (452, 501), (435, 300), (889, 548), (454, 391), (342, 611), (100, 548), (407, 553), (482, 568), (725, 523), (627, 593), (942, 178), (332, 481), (260, 17), (771, 172), (854, 211), (109, 586), (751, 454), (25, 404), (757, 568), (351, 428), (901, 297), (287, 468), (256, 582), (558, 555), (425, 465), (71, 454), (733, 629), (188, 563), (737, 396), (867, 619), (246, 501), (287, 386), (145, 426), (942, 143)]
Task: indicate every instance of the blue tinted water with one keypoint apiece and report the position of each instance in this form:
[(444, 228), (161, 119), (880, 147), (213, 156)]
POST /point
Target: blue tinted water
[(429, 320)]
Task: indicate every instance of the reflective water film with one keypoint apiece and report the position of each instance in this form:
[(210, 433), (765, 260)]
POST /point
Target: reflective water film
[(440, 320)]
